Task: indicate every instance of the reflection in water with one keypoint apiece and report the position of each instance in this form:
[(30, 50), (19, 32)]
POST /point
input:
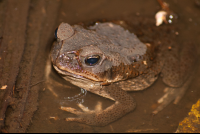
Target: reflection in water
[(79, 98), (53, 83), (139, 120)]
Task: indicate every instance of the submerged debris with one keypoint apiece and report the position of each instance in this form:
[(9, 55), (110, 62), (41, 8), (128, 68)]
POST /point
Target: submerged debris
[(3, 87), (160, 17), (165, 14)]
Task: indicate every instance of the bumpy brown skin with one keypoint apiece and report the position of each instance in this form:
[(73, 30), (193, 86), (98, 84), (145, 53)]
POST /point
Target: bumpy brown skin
[(125, 64)]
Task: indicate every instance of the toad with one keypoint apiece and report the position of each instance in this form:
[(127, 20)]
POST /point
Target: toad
[(108, 60)]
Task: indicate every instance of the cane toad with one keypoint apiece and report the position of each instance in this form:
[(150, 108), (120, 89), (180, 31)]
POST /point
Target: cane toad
[(108, 60)]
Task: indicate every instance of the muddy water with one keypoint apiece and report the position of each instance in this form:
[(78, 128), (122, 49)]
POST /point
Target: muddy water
[(49, 118)]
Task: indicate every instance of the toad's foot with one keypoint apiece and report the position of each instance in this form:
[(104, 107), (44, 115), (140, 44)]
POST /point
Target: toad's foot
[(83, 115), (85, 110), (172, 93), (97, 117), (124, 103)]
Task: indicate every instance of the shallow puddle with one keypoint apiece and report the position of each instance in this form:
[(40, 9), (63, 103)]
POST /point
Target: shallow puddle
[(50, 118)]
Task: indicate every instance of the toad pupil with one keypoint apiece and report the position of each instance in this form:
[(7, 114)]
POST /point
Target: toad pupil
[(92, 60)]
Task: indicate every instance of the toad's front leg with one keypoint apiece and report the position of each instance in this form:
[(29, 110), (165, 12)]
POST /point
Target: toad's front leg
[(124, 103)]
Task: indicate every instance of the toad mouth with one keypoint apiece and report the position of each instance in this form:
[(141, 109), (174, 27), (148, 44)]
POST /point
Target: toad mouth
[(66, 73)]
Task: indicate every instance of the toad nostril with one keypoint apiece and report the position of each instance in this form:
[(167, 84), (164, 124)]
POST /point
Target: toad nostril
[(67, 59)]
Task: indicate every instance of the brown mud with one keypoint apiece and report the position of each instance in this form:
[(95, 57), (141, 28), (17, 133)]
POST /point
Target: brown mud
[(26, 34)]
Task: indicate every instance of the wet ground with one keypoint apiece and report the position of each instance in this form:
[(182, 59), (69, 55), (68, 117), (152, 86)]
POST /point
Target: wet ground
[(26, 31)]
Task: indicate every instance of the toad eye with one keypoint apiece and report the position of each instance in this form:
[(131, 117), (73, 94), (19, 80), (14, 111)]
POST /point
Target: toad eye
[(55, 33), (92, 60)]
